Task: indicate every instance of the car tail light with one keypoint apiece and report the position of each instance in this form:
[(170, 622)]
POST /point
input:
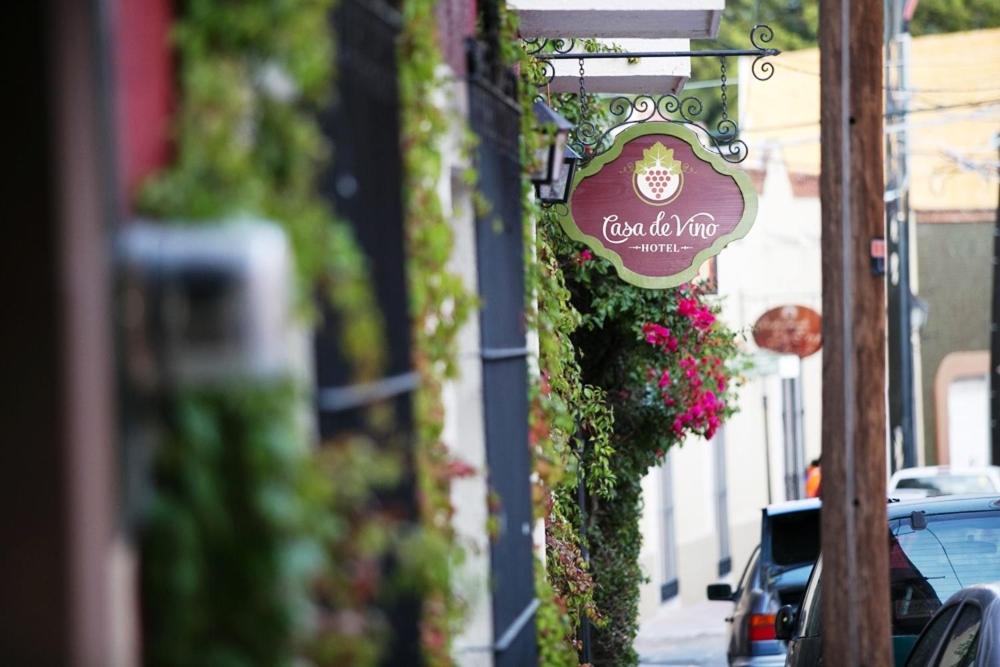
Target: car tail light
[(761, 627)]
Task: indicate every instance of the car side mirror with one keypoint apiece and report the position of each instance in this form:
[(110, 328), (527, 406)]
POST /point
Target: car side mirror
[(784, 622), (720, 592)]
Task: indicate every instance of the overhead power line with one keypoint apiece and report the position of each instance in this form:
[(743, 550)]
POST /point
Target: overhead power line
[(942, 107), (982, 89)]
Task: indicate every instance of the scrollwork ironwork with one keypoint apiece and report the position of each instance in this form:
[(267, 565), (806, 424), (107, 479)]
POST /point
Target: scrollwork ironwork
[(760, 35), (761, 69), (624, 111), (541, 46), (547, 73)]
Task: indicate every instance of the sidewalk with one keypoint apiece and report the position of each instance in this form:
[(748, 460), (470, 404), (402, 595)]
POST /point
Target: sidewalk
[(691, 636)]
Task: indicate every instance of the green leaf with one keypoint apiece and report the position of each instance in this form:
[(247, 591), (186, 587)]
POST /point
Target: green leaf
[(658, 156)]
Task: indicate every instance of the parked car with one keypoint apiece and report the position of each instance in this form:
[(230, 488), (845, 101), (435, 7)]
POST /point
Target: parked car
[(936, 547), (775, 575), (964, 632), (931, 481)]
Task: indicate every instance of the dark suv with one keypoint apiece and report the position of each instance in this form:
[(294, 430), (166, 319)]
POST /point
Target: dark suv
[(936, 547), (775, 575)]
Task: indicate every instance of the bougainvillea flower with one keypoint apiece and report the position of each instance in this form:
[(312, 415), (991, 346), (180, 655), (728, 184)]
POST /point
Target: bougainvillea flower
[(656, 334), (687, 307), (703, 319)]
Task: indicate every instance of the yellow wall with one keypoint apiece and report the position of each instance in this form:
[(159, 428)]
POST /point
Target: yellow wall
[(948, 145)]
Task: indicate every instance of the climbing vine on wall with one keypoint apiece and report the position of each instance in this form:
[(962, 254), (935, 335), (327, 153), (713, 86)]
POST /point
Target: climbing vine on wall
[(570, 423), (439, 306), (257, 549)]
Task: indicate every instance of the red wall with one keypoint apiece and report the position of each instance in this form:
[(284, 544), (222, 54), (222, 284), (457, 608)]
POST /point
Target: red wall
[(145, 94), (456, 22)]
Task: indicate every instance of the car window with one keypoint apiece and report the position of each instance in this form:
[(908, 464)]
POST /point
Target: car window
[(945, 485), (923, 651), (928, 565), (963, 640), (810, 612), (794, 537), (748, 570)]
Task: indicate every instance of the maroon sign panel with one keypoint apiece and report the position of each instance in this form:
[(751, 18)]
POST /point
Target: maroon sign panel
[(789, 330), (658, 205)]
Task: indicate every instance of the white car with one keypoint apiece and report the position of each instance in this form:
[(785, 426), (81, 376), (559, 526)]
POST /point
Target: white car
[(933, 481)]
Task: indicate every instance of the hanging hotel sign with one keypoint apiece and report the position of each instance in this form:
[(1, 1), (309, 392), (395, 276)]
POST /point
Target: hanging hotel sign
[(657, 204), (794, 330)]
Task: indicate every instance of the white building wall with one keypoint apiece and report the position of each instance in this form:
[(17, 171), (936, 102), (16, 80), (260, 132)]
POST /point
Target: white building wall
[(777, 263), (747, 459), (651, 554), (464, 427), (697, 543)]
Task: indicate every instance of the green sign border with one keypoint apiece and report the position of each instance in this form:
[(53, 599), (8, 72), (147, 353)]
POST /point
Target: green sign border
[(718, 163)]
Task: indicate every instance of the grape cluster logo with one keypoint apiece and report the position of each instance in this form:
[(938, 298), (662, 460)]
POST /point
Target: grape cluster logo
[(658, 177)]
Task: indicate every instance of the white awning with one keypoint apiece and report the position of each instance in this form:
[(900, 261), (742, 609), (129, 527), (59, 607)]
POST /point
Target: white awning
[(648, 19), (654, 76)]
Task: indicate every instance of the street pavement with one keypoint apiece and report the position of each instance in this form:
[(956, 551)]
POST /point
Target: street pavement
[(685, 636)]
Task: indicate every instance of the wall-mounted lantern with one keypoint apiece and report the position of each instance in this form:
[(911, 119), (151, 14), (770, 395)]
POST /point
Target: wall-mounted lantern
[(548, 164), (557, 192)]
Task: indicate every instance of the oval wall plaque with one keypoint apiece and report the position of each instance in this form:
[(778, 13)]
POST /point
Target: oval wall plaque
[(657, 204), (794, 330)]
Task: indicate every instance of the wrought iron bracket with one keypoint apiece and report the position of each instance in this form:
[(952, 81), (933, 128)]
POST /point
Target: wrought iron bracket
[(626, 110), (563, 49)]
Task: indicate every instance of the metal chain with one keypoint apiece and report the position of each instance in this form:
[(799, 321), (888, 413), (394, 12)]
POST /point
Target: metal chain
[(583, 94), (725, 98)]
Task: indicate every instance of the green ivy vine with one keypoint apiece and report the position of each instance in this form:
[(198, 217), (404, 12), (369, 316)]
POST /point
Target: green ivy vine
[(439, 306), (571, 426), (258, 549)]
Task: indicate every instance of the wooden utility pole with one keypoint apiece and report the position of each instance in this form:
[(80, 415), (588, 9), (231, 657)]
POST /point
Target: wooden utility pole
[(855, 544), (995, 340)]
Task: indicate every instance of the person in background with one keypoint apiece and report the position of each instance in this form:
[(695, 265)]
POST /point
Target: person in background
[(813, 479)]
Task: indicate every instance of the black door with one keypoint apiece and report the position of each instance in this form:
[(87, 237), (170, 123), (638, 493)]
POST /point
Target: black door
[(495, 118), (364, 185)]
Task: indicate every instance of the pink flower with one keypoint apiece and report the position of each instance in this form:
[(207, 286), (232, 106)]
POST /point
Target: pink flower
[(703, 319), (586, 256), (687, 307), (656, 334), (664, 379)]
